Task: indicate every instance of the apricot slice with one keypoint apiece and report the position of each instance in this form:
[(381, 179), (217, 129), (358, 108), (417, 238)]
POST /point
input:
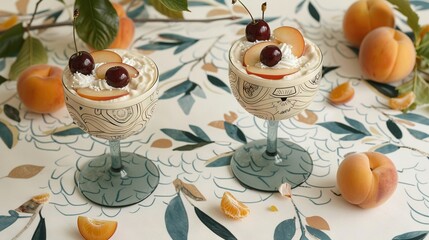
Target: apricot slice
[(102, 56), (342, 93), (101, 70), (102, 95), (252, 57), (94, 229), (232, 207), (290, 36), (402, 102)]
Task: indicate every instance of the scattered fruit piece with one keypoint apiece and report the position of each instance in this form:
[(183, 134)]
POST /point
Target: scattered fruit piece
[(270, 55), (252, 57), (41, 198), (94, 229), (40, 88), (290, 36), (101, 95), (367, 179), (342, 93), (117, 77), (232, 207), (100, 72), (273, 208), (403, 101), (106, 56)]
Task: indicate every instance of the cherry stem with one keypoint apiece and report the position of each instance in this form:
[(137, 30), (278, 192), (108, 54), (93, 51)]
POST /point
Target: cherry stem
[(263, 8), (253, 20), (75, 15)]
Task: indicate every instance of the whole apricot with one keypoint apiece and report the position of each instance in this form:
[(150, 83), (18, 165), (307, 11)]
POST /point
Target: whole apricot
[(364, 16), (40, 88), (367, 179), (387, 55)]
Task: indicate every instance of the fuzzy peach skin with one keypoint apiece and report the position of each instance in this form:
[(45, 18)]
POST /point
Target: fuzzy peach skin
[(40, 89), (367, 179), (364, 16), (387, 55)]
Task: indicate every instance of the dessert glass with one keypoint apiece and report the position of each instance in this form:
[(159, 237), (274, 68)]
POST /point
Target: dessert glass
[(119, 178), (266, 164)]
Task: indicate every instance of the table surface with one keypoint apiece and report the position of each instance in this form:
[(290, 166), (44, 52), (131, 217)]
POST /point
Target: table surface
[(195, 100)]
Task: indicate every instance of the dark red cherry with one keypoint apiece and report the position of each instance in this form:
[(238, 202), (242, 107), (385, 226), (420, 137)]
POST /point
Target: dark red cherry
[(270, 55), (258, 30), (81, 62), (117, 77)]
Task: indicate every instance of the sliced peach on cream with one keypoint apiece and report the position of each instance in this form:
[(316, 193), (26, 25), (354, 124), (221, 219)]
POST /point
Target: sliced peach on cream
[(102, 95), (100, 72), (290, 36), (102, 56), (252, 57)]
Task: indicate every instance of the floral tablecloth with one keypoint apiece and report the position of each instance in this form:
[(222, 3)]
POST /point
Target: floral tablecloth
[(198, 124)]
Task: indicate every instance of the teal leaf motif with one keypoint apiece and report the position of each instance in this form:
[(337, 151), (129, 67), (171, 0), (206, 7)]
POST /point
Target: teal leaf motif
[(357, 125), (339, 128), (176, 37), (221, 162), (326, 70), (190, 147), (221, 2), (313, 12), (354, 49), (69, 132), (182, 136), (200, 133), (6, 135), (54, 16), (155, 46), (420, 5), (186, 102), (299, 6), (317, 233), (214, 226), (413, 117), (218, 83), (383, 88), (198, 91), (183, 46), (40, 233), (394, 129), (418, 134), (388, 148), (12, 112), (353, 137), (134, 13), (234, 132), (176, 220), (285, 230), (197, 3), (169, 73), (416, 235), (6, 221), (178, 89)]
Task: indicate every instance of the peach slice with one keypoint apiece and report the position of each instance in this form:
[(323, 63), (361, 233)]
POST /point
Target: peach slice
[(100, 72), (290, 36), (96, 229), (105, 56), (101, 95), (252, 57)]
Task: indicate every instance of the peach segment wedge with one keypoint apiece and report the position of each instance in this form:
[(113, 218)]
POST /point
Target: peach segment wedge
[(94, 229), (102, 56), (100, 72), (102, 95), (252, 57), (290, 36)]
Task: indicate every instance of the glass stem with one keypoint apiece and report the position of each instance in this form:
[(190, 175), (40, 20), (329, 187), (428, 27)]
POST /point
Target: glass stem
[(115, 152), (272, 138)]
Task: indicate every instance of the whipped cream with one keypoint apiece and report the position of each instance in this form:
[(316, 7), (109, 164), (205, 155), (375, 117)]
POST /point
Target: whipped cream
[(307, 62), (147, 76)]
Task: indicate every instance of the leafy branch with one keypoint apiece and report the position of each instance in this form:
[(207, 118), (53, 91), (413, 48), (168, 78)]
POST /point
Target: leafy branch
[(419, 83)]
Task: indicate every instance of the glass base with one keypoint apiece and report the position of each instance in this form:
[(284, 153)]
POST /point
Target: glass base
[(133, 183), (253, 167)]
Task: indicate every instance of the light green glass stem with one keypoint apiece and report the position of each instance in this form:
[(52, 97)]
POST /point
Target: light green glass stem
[(115, 152), (272, 138)]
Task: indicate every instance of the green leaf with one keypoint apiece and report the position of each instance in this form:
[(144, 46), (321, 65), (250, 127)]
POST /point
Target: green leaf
[(8, 133), (176, 219), (218, 83), (383, 88), (190, 147), (418, 134), (40, 233), (420, 88), (213, 225), (234, 132), (98, 22), (223, 160), (394, 129), (12, 112), (413, 117), (313, 12), (32, 52), (404, 7), (388, 148), (164, 10), (2, 80), (175, 5), (285, 230), (6, 221), (182, 136), (11, 41), (317, 233), (416, 235)]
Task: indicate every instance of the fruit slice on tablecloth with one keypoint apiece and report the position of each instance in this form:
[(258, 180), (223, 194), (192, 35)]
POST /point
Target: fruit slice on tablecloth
[(342, 93), (94, 229), (232, 207)]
